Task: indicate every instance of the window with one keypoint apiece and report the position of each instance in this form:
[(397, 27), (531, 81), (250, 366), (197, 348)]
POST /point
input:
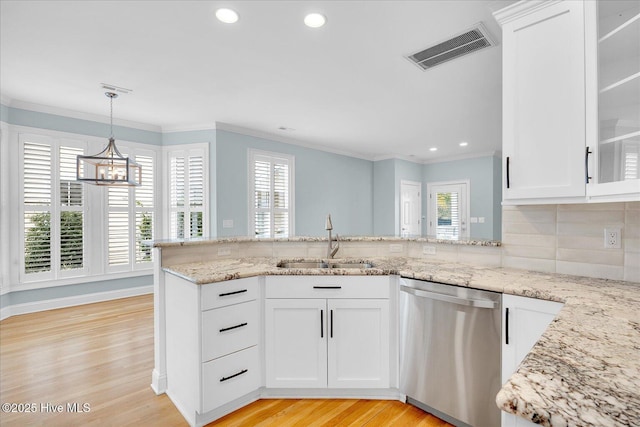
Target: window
[(53, 208), (448, 210), (69, 229), (271, 194), (130, 219), (187, 184)]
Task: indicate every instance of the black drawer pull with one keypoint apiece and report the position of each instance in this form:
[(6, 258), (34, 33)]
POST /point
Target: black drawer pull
[(321, 323), (233, 327), (508, 180), (331, 313), (244, 371), (327, 287), (506, 327), (587, 178), (232, 293)]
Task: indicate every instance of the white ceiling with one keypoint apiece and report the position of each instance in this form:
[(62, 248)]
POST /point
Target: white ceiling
[(345, 87)]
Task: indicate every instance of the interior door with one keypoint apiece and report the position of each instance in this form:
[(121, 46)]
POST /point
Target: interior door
[(410, 208), (448, 210)]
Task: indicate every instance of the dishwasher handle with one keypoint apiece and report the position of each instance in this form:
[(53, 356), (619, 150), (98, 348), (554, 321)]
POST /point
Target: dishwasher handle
[(449, 298)]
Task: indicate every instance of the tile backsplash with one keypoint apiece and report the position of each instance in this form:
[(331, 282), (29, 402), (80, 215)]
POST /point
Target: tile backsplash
[(570, 239)]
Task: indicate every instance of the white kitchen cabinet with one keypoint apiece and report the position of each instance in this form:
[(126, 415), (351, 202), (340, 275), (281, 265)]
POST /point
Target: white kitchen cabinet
[(570, 103), (295, 343), (212, 344), (327, 332), (524, 322), (613, 98)]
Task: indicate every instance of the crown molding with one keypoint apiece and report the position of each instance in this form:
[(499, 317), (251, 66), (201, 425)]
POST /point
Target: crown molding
[(279, 138), (47, 109), (494, 153), (189, 128), (520, 9)]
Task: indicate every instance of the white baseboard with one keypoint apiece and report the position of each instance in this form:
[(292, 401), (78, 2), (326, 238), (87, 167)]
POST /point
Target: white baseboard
[(51, 304)]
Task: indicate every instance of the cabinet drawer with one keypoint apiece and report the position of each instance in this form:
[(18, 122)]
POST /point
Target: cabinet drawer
[(230, 292), (229, 378), (229, 329), (327, 287)]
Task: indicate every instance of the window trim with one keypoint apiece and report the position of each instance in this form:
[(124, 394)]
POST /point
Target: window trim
[(95, 256), (55, 210), (185, 150), (251, 157)]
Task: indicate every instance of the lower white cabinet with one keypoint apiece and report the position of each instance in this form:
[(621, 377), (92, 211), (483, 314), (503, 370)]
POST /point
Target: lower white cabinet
[(524, 322), (320, 342), (212, 344)]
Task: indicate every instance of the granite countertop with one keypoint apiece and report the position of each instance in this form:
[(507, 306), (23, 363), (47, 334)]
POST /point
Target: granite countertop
[(207, 240), (585, 369)]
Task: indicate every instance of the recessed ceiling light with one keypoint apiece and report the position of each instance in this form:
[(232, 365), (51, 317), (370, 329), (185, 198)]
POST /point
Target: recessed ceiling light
[(227, 16), (315, 20), (433, 149), (464, 144)]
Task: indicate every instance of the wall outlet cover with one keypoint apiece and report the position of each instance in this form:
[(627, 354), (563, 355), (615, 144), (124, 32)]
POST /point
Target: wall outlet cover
[(612, 237), (395, 248), (224, 251), (227, 223), (428, 250)]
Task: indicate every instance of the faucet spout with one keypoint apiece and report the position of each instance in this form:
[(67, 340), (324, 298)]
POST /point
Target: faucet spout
[(331, 250)]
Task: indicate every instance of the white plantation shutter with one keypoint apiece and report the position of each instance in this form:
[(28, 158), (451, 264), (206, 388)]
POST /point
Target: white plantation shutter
[(131, 215), (118, 225), (271, 194), (631, 153), (53, 208), (37, 168), (448, 226), (187, 192), (71, 211), (145, 206)]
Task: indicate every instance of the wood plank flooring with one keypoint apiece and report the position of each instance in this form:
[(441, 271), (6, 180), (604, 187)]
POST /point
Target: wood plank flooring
[(102, 355)]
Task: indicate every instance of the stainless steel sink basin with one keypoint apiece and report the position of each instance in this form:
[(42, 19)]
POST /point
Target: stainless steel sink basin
[(303, 265), (350, 265), (322, 264)]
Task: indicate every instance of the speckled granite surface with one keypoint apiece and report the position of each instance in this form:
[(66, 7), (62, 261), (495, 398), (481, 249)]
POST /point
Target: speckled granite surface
[(584, 371), (207, 241)]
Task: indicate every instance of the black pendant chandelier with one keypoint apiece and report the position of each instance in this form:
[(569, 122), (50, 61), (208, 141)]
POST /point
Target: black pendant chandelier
[(108, 167)]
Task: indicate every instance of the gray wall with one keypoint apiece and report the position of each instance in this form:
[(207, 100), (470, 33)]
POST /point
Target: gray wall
[(324, 183), (486, 191)]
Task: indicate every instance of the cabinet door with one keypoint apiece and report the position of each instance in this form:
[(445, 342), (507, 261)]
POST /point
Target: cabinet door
[(358, 347), (527, 319), (295, 343), (544, 103)]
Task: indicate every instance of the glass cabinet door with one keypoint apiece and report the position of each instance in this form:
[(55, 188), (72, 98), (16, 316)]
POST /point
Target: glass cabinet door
[(618, 90)]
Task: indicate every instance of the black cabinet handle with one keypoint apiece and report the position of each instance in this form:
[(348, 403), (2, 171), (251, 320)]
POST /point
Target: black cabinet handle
[(508, 181), (506, 327), (331, 314), (587, 178), (321, 324), (327, 287), (233, 327), (232, 293), (244, 371)]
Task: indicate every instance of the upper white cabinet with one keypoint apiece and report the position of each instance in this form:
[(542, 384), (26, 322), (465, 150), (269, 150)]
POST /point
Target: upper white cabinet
[(559, 77), (613, 97)]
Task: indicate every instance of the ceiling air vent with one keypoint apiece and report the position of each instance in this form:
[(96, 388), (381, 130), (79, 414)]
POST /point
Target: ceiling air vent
[(467, 42)]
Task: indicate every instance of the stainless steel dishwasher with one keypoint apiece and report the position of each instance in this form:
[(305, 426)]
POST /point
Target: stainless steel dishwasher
[(450, 351)]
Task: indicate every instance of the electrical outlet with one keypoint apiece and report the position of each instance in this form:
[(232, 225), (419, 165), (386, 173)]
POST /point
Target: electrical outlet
[(612, 238), (428, 250), (395, 248), (227, 223), (224, 251)]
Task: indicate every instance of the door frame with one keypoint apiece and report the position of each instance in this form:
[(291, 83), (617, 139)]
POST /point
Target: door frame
[(465, 215), (419, 185)]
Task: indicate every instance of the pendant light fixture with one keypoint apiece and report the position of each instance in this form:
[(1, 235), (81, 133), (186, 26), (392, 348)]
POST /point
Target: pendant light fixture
[(108, 167)]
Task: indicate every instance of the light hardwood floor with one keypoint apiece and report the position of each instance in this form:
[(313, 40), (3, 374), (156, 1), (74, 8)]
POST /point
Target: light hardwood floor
[(102, 355)]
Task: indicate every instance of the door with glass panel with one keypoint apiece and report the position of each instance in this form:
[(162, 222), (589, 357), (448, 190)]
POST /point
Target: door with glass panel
[(448, 210)]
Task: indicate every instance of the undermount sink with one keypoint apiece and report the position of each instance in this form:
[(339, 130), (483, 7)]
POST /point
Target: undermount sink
[(303, 265), (322, 264), (351, 265)]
